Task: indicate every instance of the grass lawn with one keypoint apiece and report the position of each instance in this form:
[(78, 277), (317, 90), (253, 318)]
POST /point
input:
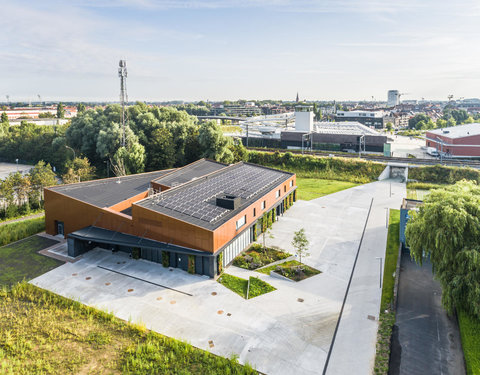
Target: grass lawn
[(288, 269), (43, 333), (239, 285), (256, 257), (311, 188), (19, 260), (391, 256), (387, 319), (470, 332)]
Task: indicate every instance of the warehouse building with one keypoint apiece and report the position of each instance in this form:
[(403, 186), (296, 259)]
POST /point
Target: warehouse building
[(457, 141), (197, 218)]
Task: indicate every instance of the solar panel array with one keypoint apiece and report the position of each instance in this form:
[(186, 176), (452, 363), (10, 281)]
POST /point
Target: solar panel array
[(198, 200)]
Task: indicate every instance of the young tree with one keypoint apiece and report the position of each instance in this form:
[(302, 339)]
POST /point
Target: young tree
[(389, 126), (4, 119), (300, 244), (446, 229), (78, 170), (268, 233), (80, 107), (41, 176), (60, 110)]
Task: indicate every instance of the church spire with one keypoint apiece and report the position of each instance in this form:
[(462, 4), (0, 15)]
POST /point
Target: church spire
[(297, 100)]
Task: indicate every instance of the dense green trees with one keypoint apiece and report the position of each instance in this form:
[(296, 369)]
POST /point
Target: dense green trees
[(447, 228), (60, 111)]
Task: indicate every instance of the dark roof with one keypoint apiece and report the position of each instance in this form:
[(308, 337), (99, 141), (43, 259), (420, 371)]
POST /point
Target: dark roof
[(101, 235), (195, 202), (190, 172), (109, 191)]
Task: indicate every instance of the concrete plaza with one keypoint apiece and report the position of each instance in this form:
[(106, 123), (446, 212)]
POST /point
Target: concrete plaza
[(286, 331)]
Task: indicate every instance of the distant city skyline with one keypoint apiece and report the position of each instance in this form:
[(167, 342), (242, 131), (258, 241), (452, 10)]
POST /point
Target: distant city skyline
[(252, 49)]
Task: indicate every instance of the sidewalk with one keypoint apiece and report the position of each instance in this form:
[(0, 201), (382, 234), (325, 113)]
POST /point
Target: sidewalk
[(22, 218), (355, 344)]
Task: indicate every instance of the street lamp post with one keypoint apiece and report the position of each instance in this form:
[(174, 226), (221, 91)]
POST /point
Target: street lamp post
[(72, 151), (380, 259)]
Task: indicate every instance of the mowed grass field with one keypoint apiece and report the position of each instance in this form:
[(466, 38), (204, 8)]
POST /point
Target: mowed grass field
[(43, 333), (311, 188), (19, 260)]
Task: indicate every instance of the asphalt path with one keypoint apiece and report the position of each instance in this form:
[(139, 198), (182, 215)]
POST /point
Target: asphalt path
[(425, 339)]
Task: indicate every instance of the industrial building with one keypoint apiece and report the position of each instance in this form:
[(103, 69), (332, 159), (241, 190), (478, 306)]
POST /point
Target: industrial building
[(457, 141), (197, 218), (373, 119)]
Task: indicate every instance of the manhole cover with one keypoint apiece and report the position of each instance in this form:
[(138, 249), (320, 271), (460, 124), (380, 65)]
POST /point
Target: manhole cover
[(210, 344), (88, 278), (220, 312), (107, 284), (214, 293), (173, 302), (130, 290), (300, 299), (159, 298), (228, 314), (74, 274)]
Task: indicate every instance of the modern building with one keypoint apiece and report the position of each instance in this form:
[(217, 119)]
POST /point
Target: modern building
[(393, 98), (456, 141), (335, 136), (197, 218), (372, 119), (304, 118)]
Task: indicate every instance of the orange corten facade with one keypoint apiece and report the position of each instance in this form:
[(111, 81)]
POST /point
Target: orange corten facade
[(147, 223)]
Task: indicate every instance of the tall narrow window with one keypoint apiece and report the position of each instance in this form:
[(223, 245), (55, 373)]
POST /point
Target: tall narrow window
[(254, 212), (264, 205), (278, 194)]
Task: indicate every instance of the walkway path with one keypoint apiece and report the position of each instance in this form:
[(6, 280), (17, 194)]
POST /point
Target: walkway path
[(427, 340), (22, 218)]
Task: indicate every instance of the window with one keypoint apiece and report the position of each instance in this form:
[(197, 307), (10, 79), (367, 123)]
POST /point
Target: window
[(241, 222), (291, 183), (278, 194), (263, 205), (284, 188), (254, 212)]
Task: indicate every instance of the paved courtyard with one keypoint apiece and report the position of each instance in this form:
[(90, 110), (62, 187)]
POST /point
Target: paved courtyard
[(286, 331), (8, 168)]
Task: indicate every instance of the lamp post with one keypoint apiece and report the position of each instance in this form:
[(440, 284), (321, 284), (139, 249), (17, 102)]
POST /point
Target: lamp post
[(16, 161), (72, 151), (380, 259)]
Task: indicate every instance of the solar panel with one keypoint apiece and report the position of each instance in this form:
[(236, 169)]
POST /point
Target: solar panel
[(198, 200)]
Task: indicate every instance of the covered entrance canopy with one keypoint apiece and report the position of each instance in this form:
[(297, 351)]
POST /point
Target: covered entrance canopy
[(85, 239)]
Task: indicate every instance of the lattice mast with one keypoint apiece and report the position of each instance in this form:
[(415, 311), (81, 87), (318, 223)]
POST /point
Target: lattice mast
[(122, 73)]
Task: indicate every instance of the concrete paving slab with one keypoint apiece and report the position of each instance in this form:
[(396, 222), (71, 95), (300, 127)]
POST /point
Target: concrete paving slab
[(274, 332)]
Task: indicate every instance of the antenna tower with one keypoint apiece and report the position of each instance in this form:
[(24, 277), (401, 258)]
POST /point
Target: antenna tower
[(122, 73)]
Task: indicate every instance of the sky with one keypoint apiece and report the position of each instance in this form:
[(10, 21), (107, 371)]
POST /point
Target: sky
[(239, 49)]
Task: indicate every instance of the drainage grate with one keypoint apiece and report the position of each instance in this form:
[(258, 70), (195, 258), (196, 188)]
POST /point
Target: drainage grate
[(214, 293), (300, 299), (371, 317), (159, 298), (107, 284), (220, 312), (228, 314), (74, 274), (88, 278), (130, 290), (173, 302)]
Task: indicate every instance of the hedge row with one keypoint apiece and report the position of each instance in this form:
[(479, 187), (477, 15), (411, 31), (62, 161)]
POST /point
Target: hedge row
[(16, 231), (353, 170), (440, 174)]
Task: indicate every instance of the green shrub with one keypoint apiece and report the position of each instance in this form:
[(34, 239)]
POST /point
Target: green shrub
[(470, 333), (136, 253), (440, 174), (16, 231), (220, 263), (191, 264), (353, 170), (165, 258)]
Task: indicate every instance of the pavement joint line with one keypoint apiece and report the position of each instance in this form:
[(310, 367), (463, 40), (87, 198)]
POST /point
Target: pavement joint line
[(346, 292), (145, 281)]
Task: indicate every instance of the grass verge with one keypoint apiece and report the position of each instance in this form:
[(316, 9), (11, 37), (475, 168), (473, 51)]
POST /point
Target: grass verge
[(43, 333), (239, 285), (311, 188), (387, 315), (292, 269), (20, 260), (33, 212), (16, 231), (470, 333), (256, 257)]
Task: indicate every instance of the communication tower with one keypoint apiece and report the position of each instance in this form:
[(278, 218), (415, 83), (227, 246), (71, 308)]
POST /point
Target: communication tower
[(122, 73)]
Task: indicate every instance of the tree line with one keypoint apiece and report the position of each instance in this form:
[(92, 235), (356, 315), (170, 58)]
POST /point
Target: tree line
[(450, 117)]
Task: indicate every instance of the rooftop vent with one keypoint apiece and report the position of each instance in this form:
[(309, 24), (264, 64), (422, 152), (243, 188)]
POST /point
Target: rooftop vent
[(230, 202)]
